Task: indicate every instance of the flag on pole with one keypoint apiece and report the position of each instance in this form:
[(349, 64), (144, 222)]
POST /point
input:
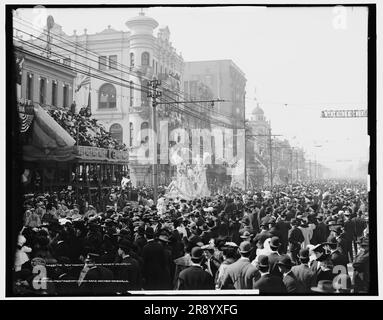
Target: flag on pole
[(84, 82)]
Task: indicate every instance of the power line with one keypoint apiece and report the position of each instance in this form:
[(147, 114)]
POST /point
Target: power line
[(97, 55), (93, 68), (123, 85)]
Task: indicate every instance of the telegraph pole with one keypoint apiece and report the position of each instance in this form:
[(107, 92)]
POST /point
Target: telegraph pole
[(269, 135), (154, 94), (271, 159), (297, 166)]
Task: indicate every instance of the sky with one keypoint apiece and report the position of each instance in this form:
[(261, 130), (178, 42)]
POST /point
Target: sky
[(297, 62)]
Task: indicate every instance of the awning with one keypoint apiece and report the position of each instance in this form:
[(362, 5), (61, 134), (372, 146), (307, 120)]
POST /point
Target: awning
[(49, 142)]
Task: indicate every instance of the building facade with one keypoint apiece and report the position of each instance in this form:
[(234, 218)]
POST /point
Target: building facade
[(113, 69), (43, 81)]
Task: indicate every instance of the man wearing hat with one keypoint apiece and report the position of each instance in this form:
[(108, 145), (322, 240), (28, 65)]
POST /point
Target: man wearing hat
[(361, 265), (349, 235), (295, 239), (336, 256), (321, 230), (274, 256), (268, 283), (292, 283), (303, 272), (156, 269), (241, 274), (194, 277), (129, 270), (322, 265), (155, 224), (211, 263), (262, 235)]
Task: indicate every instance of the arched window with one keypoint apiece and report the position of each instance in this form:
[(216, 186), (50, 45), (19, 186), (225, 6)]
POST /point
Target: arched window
[(116, 132), (107, 96), (144, 131), (145, 58), (132, 59), (130, 134)]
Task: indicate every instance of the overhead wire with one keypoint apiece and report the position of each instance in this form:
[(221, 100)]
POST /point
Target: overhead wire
[(128, 85), (76, 45)]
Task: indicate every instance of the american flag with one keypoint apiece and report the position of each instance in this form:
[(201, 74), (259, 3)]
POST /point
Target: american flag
[(85, 81)]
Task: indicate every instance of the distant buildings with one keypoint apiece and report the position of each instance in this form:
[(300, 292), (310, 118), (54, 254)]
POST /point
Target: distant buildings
[(113, 68)]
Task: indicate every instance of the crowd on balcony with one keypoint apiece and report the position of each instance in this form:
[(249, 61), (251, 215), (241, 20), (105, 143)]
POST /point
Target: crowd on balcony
[(85, 129)]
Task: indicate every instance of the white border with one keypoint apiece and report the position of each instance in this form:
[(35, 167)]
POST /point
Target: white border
[(379, 164)]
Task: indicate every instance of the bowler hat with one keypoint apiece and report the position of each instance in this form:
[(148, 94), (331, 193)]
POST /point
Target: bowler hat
[(263, 261), (196, 254), (275, 243), (324, 286), (245, 247), (246, 234)]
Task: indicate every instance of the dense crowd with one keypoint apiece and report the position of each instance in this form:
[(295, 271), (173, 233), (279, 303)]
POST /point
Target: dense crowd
[(293, 239), (86, 129)]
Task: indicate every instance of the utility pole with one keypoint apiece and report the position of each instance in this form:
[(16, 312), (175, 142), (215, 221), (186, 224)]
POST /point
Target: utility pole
[(269, 135), (271, 159), (154, 94), (297, 165)]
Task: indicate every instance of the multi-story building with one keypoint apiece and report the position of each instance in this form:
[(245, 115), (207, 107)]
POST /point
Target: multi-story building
[(257, 150), (225, 81), (43, 81), (116, 66), (113, 68)]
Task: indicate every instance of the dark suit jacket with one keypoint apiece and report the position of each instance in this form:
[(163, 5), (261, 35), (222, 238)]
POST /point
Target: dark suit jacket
[(195, 278), (283, 228), (270, 284), (273, 269), (254, 221), (240, 275), (321, 232), (305, 275), (129, 272), (156, 270), (338, 258), (293, 284), (361, 273), (295, 237)]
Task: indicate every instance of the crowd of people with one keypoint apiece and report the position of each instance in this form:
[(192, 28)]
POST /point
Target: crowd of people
[(296, 239), (86, 129)]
